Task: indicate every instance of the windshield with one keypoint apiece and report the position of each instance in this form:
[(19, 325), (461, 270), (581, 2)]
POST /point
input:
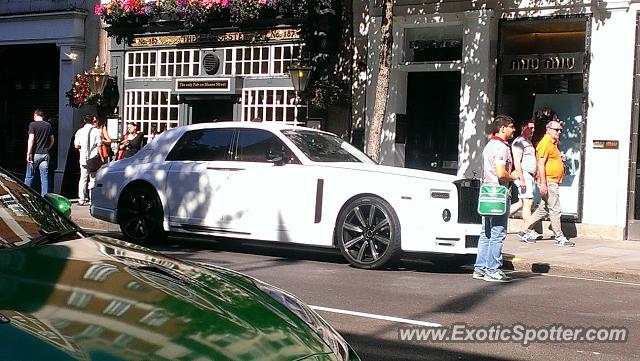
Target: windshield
[(324, 147), (26, 218)]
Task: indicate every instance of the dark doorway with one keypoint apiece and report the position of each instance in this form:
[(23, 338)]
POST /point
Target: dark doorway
[(211, 110), (29, 78), (433, 121)]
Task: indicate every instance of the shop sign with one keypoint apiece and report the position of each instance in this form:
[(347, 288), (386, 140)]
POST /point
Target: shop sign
[(606, 144), (198, 85), (559, 63), (238, 36)]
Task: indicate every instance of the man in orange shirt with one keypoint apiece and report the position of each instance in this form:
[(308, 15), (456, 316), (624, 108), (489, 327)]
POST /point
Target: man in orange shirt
[(550, 173)]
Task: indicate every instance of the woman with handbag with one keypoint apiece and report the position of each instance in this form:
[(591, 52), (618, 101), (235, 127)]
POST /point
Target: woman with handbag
[(106, 153), (131, 141)]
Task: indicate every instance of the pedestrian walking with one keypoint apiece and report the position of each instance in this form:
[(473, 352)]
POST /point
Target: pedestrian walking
[(497, 170), (550, 173), (131, 141), (38, 144), (525, 162), (87, 140)]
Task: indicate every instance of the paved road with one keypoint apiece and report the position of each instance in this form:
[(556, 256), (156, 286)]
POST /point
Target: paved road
[(419, 292)]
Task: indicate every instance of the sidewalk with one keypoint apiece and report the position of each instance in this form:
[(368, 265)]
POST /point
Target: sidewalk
[(595, 258)]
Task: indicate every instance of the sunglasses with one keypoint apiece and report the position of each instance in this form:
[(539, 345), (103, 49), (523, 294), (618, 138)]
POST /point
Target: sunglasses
[(557, 129)]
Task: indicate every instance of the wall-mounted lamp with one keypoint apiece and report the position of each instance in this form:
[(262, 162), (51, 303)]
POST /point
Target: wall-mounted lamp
[(300, 74), (97, 77)]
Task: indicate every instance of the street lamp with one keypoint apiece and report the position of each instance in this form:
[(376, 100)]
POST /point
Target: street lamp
[(300, 74), (97, 77)]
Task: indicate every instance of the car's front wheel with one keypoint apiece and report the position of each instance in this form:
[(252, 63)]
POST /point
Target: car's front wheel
[(140, 215), (368, 233)]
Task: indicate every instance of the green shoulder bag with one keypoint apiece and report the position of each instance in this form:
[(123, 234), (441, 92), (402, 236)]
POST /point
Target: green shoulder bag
[(492, 200)]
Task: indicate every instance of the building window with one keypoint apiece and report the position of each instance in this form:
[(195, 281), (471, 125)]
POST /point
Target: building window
[(141, 64), (151, 109), (99, 272), (283, 56), (259, 60), (122, 340), (92, 331), (117, 308), (155, 318), (79, 299), (163, 63), (179, 63), (271, 105)]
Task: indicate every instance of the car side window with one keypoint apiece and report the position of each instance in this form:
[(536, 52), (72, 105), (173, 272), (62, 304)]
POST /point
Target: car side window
[(254, 145), (202, 145)]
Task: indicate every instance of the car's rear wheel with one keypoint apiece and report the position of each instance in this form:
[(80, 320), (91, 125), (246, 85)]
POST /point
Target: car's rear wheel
[(140, 215), (368, 233)]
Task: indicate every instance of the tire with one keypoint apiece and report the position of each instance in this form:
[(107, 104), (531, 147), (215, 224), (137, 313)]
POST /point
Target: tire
[(368, 233), (140, 215)]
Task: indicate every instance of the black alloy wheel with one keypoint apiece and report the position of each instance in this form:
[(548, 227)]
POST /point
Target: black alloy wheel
[(368, 233), (140, 215)]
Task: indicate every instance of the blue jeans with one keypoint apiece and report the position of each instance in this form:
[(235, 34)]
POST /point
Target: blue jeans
[(494, 231), (41, 162)]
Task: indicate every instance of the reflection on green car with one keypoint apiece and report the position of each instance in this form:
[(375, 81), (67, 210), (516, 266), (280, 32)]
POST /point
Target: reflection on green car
[(65, 296)]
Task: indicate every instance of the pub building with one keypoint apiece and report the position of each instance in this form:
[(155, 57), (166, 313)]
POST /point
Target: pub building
[(174, 69), (457, 64), (170, 80)]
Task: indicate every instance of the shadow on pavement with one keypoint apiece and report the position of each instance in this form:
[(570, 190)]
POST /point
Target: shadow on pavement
[(188, 246)]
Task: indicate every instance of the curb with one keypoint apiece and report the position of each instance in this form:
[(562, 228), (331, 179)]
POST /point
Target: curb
[(95, 224), (512, 262)]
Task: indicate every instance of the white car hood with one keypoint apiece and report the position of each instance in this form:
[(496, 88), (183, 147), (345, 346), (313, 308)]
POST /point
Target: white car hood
[(384, 169)]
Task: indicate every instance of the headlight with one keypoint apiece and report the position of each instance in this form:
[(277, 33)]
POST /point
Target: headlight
[(330, 336)]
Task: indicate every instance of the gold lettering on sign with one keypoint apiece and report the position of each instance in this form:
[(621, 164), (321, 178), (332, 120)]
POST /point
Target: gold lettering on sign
[(265, 35), (557, 62), (525, 64), (203, 84)]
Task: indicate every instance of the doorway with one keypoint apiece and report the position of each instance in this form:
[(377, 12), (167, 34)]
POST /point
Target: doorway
[(211, 110), (28, 81), (433, 121)]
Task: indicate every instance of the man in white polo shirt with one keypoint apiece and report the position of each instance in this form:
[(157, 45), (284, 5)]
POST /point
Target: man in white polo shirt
[(497, 170)]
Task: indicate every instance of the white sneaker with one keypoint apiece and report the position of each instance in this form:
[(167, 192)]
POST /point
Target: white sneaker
[(564, 242), (536, 235)]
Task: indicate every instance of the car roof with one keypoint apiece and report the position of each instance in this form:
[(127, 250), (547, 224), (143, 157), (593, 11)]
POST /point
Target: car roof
[(250, 125)]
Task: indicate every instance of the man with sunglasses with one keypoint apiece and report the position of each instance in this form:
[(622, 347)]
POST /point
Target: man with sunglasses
[(550, 173)]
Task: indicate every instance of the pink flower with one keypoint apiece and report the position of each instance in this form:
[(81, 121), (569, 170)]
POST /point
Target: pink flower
[(262, 2), (97, 9)]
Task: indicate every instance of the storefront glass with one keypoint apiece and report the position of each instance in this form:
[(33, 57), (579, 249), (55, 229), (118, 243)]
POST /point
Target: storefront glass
[(542, 64)]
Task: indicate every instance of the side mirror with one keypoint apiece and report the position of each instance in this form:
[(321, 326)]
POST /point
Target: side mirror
[(59, 202), (277, 157)]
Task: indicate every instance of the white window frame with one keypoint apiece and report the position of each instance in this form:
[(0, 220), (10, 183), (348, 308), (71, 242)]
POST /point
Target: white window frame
[(251, 108), (134, 100), (99, 272), (237, 65), (131, 64), (192, 66), (154, 68)]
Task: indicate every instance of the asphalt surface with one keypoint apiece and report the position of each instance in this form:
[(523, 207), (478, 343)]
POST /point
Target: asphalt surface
[(591, 257), (369, 307)]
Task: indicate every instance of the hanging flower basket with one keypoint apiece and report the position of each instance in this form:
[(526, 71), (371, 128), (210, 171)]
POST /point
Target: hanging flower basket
[(80, 95), (194, 13)]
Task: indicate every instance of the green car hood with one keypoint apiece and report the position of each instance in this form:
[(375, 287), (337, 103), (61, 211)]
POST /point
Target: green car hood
[(102, 299)]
